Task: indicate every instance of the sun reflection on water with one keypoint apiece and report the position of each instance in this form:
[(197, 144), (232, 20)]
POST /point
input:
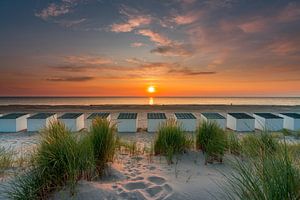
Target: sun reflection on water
[(151, 101)]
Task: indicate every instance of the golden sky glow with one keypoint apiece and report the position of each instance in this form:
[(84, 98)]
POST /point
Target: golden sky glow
[(182, 48)]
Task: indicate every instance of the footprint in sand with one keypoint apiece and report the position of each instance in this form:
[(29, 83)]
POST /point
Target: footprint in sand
[(133, 175), (138, 173), (153, 191), (135, 185), (167, 187), (156, 180), (119, 190), (114, 186), (151, 168), (139, 178)]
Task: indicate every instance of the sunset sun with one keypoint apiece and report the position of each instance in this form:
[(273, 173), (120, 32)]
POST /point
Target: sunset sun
[(151, 89)]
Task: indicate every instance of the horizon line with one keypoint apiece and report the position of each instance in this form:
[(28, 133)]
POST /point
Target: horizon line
[(48, 96)]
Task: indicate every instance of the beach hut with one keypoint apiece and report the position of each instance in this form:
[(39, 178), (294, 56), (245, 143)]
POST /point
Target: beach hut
[(291, 121), (240, 122), (13, 122), (268, 121), (155, 120), (73, 121), (102, 115), (214, 117), (127, 122), (188, 121), (38, 121)]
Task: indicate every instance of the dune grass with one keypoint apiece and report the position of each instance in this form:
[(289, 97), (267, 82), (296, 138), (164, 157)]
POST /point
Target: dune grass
[(103, 138), (268, 176), (6, 159), (256, 145), (63, 158), (170, 140), (212, 140), (294, 150), (233, 143), (129, 147)]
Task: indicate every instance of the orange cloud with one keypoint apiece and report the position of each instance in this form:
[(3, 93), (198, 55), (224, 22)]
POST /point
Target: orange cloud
[(253, 26), (283, 47), (137, 44), (188, 18), (155, 37), (134, 20), (131, 24)]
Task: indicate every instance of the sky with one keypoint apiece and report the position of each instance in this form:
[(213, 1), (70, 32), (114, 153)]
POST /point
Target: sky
[(121, 47)]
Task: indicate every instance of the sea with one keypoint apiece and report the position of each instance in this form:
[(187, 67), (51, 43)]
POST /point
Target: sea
[(290, 101)]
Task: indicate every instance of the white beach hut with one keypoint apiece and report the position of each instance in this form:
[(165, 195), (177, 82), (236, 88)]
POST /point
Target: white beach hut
[(38, 121), (215, 118), (127, 122), (74, 121), (155, 120), (102, 115), (240, 122), (13, 122), (291, 121), (188, 121), (268, 121)]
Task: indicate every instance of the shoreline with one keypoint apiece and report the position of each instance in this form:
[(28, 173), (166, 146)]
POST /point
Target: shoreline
[(135, 107)]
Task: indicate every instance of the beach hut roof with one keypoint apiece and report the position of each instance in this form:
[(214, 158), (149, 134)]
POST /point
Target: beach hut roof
[(156, 116), (185, 116), (292, 115), (70, 115), (102, 115), (268, 115), (41, 116), (241, 116), (127, 116), (213, 115), (13, 115)]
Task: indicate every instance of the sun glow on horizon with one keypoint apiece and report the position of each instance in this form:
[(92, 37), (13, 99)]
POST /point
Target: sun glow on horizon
[(151, 89)]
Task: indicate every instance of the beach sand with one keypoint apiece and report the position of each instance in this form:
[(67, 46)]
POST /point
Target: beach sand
[(140, 177)]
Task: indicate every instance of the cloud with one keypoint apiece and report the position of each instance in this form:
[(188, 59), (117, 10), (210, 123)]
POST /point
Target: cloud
[(70, 23), (189, 72), (256, 25), (165, 46), (70, 79), (174, 50), (155, 37), (53, 10), (87, 60), (57, 9), (131, 24), (283, 48), (187, 18), (188, 1), (220, 3), (135, 68), (84, 63), (137, 44), (133, 21), (290, 13), (134, 61)]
